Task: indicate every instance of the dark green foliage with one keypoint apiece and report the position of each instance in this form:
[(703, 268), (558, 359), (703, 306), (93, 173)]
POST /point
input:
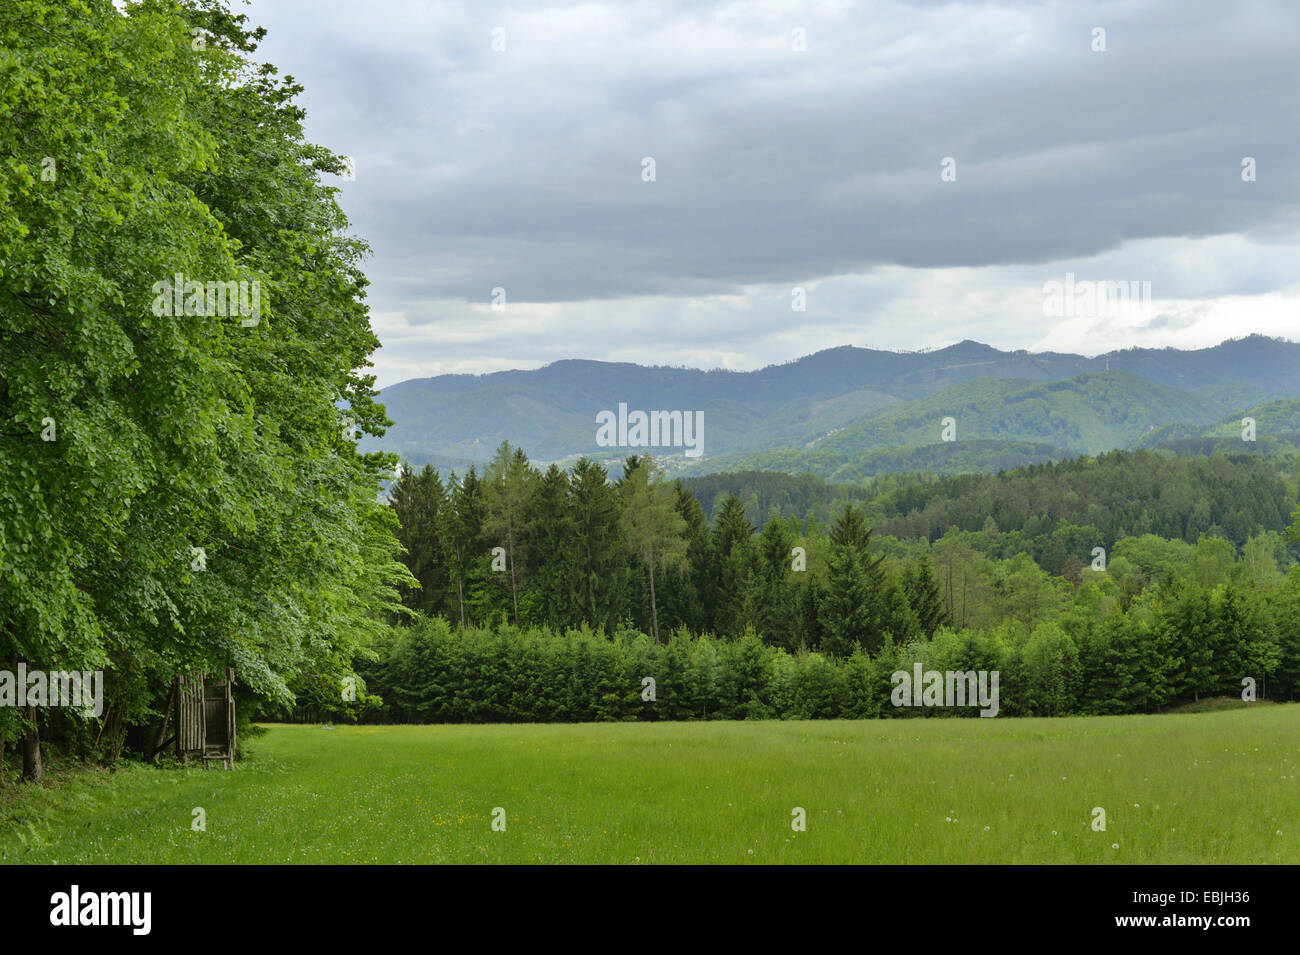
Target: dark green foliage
[(1181, 641), (1116, 495), (922, 593), (852, 607), (465, 546), (1164, 622), (418, 498), (550, 551), (180, 490), (600, 572)]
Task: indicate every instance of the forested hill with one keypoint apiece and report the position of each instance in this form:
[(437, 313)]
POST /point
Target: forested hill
[(849, 413), (1276, 427), (1114, 495)]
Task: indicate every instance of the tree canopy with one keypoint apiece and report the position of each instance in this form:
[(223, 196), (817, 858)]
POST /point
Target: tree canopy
[(180, 488)]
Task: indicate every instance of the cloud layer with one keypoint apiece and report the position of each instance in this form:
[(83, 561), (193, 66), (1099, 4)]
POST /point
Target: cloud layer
[(819, 168)]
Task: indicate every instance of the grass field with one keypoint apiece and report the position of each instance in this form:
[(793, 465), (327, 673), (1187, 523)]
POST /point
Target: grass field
[(1216, 787)]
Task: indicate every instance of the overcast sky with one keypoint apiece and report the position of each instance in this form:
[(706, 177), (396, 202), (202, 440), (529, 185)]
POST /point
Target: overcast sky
[(820, 168)]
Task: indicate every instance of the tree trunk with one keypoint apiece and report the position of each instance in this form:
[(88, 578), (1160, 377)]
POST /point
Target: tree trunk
[(32, 772), (952, 611), (161, 738), (654, 610), (963, 600), (13, 668), (586, 600), (514, 592), (588, 584)]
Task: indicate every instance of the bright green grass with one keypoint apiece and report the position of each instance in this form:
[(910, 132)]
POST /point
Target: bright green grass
[(1208, 787)]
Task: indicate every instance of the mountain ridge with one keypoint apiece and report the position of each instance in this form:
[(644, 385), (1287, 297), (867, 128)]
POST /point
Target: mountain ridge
[(846, 400)]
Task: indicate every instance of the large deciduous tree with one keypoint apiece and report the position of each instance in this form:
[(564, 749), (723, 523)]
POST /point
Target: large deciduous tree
[(654, 530), (180, 488)]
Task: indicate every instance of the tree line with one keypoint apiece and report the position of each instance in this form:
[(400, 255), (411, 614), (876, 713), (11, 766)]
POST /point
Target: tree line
[(566, 549), (1110, 496), (1180, 642), (528, 565)]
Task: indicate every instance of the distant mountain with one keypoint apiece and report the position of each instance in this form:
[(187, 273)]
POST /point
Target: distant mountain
[(847, 413)]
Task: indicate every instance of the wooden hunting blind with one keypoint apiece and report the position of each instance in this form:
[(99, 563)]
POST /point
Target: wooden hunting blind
[(205, 718)]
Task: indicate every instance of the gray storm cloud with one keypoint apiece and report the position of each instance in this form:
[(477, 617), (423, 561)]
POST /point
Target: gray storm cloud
[(521, 168)]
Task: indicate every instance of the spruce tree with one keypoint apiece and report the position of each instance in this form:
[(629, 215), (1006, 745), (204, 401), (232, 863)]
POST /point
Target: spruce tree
[(733, 567), (597, 554), (682, 599), (923, 596), (467, 551), (417, 498), (848, 608), (1286, 603), (775, 607), (550, 550)]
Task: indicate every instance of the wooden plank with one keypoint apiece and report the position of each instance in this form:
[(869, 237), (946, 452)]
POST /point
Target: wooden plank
[(230, 715), (191, 726)]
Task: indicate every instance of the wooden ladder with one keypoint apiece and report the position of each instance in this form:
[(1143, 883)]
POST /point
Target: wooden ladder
[(214, 754)]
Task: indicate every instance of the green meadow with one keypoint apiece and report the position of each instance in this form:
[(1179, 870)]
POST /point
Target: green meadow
[(1210, 787)]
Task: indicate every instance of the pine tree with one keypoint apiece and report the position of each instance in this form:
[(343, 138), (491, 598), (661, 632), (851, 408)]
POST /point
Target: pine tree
[(731, 526), (775, 612), (550, 550), (894, 615), (1244, 644), (464, 545), (596, 550), (699, 553), (848, 608), (1186, 615), (734, 566), (923, 596), (417, 498), (1286, 603)]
